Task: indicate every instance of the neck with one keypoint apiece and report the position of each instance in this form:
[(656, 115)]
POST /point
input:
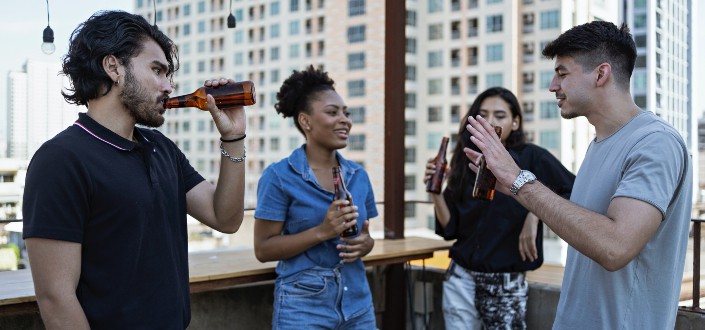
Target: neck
[(320, 158), (612, 113), (112, 114)]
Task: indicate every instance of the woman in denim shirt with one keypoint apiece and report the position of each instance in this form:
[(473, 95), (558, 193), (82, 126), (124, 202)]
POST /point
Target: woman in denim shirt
[(321, 282)]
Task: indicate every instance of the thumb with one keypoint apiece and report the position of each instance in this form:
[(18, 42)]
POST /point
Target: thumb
[(366, 226)]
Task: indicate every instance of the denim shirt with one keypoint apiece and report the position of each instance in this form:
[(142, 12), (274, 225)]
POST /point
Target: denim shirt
[(288, 191)]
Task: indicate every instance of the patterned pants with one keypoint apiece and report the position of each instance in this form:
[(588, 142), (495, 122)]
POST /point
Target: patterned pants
[(500, 299)]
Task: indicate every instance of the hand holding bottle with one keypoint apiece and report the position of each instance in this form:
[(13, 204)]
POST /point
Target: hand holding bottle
[(358, 246), (339, 217), (230, 122)]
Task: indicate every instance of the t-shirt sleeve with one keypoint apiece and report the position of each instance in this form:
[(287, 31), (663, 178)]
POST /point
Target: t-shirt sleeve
[(272, 199), (370, 203), (653, 170), (56, 195)]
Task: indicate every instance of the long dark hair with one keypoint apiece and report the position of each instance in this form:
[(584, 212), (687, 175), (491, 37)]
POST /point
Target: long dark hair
[(106, 33), (460, 175)]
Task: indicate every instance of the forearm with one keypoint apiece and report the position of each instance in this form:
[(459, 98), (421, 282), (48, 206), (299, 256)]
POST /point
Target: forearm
[(591, 233), (441, 208), (61, 313), (228, 198), (281, 247)]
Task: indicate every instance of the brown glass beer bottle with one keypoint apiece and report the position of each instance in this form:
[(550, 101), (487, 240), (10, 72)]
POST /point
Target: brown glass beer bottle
[(485, 180), (226, 96), (340, 192), (434, 184)]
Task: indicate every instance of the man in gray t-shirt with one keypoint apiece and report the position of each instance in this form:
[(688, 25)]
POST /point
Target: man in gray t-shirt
[(628, 216)]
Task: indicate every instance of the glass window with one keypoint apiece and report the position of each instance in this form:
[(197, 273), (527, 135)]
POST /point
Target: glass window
[(274, 31), (639, 4), (357, 142), (293, 5), (494, 80), (294, 28), (357, 115), (274, 8), (356, 7), (409, 128), (356, 61), (639, 82), (495, 53), (549, 139), (435, 58), (187, 10), (545, 79), (238, 58), (356, 88), (490, 2), (201, 26), (640, 21), (550, 19), (201, 7), (409, 155), (356, 34), (294, 50), (410, 18), (409, 182), (411, 73), (435, 86), (410, 100), (274, 53), (494, 23), (548, 110), (435, 114), (435, 6), (435, 31), (411, 45), (201, 46)]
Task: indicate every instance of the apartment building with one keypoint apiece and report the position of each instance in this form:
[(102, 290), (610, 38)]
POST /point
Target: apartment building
[(454, 50)]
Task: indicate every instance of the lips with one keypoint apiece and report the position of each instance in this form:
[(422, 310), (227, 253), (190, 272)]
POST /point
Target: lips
[(341, 133)]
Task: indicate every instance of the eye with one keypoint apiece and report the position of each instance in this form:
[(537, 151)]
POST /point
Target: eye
[(157, 70), (347, 114)]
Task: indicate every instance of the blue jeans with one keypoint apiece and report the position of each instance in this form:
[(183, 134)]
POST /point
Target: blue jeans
[(311, 300), (459, 310)]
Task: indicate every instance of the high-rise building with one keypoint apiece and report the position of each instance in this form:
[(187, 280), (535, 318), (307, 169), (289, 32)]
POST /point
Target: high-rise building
[(36, 109), (454, 50)]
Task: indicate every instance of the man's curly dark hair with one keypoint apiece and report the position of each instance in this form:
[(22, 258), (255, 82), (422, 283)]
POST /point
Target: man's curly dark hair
[(298, 90), (106, 33)]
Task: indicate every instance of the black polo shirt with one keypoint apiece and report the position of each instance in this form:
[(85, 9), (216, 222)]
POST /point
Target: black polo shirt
[(487, 232), (125, 202)]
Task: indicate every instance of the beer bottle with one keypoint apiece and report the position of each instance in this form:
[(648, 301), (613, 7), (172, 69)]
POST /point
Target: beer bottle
[(340, 192), (485, 180), (436, 181), (226, 96)]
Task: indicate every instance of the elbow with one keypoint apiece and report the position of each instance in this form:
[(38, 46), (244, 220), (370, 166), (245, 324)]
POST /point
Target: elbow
[(231, 226), (261, 255), (614, 261)]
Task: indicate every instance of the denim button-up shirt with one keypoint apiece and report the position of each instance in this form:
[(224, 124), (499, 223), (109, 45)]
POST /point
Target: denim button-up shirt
[(288, 192)]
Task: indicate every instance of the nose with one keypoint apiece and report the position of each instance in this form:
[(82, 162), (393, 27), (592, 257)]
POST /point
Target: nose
[(554, 86), (166, 86)]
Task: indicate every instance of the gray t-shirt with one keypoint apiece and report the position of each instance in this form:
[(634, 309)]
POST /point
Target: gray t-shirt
[(645, 160)]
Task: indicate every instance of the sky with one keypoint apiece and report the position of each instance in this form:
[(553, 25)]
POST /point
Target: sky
[(22, 24), (21, 27)]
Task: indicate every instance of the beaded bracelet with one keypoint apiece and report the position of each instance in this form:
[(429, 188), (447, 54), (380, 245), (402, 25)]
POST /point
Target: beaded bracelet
[(235, 139), (234, 159)]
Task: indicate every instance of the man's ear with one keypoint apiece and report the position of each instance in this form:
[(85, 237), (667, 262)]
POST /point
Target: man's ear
[(113, 67), (604, 73)]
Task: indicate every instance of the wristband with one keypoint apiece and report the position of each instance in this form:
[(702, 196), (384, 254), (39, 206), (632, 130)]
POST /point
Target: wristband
[(235, 139)]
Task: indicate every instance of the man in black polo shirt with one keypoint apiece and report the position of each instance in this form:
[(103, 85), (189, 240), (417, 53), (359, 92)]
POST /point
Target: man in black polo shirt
[(105, 202)]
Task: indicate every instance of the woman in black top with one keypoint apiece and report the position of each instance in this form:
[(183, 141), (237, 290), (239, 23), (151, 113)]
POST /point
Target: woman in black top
[(496, 241)]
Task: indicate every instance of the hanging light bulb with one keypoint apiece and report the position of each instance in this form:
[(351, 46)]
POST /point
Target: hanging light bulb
[(48, 44), (48, 37), (231, 18)]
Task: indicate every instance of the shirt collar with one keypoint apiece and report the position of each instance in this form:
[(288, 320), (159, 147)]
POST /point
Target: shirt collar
[(100, 132), (299, 163)]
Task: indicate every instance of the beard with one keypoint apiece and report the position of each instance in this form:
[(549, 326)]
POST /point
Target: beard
[(142, 107)]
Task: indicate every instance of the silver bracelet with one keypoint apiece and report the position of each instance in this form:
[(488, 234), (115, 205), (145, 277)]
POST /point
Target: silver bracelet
[(234, 159)]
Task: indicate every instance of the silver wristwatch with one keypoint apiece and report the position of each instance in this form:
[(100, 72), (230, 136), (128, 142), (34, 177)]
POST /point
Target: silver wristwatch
[(523, 178)]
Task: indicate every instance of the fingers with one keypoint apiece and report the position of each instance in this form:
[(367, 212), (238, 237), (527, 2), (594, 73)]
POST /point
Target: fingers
[(217, 82)]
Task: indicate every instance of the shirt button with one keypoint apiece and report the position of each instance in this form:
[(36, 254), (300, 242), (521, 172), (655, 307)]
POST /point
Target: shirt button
[(345, 288)]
